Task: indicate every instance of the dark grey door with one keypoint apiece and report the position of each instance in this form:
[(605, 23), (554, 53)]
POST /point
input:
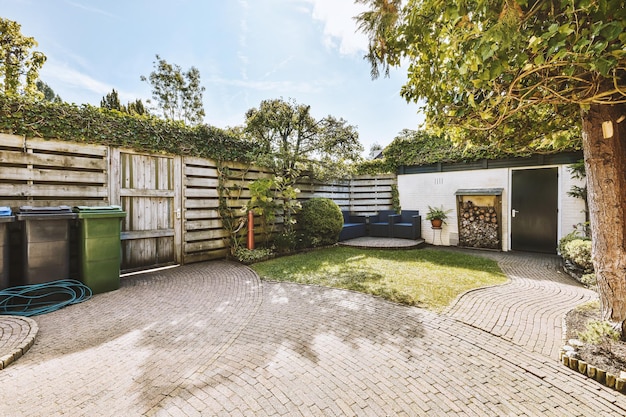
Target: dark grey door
[(534, 210)]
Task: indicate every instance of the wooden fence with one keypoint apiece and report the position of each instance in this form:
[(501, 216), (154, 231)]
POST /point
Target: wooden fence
[(171, 201)]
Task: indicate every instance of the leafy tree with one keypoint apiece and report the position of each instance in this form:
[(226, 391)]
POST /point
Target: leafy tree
[(111, 101), (177, 93), (294, 145), (480, 65), (136, 107), (19, 66), (48, 92)]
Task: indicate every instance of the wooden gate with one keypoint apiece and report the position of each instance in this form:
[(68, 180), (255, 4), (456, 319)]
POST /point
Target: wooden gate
[(149, 189)]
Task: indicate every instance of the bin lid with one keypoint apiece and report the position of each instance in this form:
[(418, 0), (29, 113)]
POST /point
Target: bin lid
[(106, 209), (85, 212), (43, 213), (44, 210), (5, 214)]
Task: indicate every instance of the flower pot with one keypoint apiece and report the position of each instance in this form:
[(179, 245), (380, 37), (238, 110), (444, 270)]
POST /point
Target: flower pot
[(436, 223)]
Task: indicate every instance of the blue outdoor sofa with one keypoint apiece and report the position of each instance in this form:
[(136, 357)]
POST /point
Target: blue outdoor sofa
[(407, 225), (353, 226)]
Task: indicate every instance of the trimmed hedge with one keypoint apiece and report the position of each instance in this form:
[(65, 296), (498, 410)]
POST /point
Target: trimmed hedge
[(89, 124)]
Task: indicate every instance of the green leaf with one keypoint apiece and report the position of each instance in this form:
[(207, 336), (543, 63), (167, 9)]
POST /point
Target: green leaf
[(604, 66), (565, 29), (611, 30)]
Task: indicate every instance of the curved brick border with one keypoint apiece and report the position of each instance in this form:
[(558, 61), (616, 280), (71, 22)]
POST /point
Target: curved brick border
[(17, 335)]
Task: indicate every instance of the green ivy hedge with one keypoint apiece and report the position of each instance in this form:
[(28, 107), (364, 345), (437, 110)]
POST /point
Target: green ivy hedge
[(412, 147), (89, 124)]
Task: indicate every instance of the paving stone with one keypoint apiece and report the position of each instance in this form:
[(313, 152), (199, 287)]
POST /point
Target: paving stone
[(212, 339)]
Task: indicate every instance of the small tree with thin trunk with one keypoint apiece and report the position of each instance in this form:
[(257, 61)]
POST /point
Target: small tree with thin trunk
[(178, 94), (294, 145)]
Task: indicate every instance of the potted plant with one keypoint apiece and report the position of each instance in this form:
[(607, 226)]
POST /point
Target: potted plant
[(437, 216)]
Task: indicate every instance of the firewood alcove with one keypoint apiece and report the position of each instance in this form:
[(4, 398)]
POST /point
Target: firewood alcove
[(480, 218)]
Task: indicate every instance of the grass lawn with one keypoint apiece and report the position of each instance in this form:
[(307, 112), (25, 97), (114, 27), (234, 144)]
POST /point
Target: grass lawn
[(428, 278)]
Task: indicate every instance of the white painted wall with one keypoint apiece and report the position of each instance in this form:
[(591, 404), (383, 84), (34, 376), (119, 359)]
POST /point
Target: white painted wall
[(418, 191), (571, 209)]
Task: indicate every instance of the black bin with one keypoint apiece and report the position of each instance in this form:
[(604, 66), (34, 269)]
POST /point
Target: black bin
[(5, 219), (45, 243)]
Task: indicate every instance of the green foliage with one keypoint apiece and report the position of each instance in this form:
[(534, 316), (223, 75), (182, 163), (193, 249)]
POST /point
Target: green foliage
[(599, 333), (294, 144), (437, 213), (395, 198), (48, 92), (375, 166), (88, 124), (19, 66), (567, 239), (288, 194), (423, 148), (263, 204), (233, 219), (501, 64), (248, 256), (589, 280), (577, 249), (321, 221), (579, 252), (578, 171), (286, 241), (136, 107), (178, 94), (111, 101)]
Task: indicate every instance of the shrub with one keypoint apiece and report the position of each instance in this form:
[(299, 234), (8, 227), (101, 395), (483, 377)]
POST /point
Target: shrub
[(579, 252), (589, 280), (321, 220), (567, 239), (599, 333), (248, 256), (285, 241)]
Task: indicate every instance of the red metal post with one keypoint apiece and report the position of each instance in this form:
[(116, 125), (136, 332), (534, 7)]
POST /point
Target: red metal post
[(250, 230)]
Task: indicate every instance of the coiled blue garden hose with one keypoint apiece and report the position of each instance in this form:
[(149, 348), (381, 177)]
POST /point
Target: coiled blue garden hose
[(35, 299)]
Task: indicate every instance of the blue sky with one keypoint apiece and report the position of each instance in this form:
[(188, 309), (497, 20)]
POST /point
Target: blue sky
[(246, 51)]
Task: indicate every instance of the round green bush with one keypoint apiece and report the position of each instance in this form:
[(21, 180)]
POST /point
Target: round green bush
[(562, 248), (579, 252), (321, 220)]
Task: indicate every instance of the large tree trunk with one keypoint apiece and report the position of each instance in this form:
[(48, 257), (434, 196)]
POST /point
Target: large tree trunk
[(605, 164)]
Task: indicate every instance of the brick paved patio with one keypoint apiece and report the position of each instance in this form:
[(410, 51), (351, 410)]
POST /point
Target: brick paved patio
[(212, 339)]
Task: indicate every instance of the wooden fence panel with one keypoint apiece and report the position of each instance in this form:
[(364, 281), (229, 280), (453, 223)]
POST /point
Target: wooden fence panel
[(204, 237), (202, 232), (171, 201), (42, 173), (368, 195)]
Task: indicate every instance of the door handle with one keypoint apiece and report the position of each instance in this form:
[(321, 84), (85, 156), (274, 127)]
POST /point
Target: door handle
[(514, 212)]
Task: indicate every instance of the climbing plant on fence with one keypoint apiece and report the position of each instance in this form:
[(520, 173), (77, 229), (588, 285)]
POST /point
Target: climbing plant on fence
[(419, 147), (89, 124)]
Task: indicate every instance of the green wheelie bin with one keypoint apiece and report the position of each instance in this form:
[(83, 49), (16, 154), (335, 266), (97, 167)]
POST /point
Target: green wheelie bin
[(99, 246)]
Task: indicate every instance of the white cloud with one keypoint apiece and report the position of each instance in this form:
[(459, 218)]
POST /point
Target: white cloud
[(90, 9), (277, 86), (75, 86), (243, 39), (340, 28)]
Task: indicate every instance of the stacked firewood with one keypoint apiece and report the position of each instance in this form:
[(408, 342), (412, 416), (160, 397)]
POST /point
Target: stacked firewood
[(478, 226)]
